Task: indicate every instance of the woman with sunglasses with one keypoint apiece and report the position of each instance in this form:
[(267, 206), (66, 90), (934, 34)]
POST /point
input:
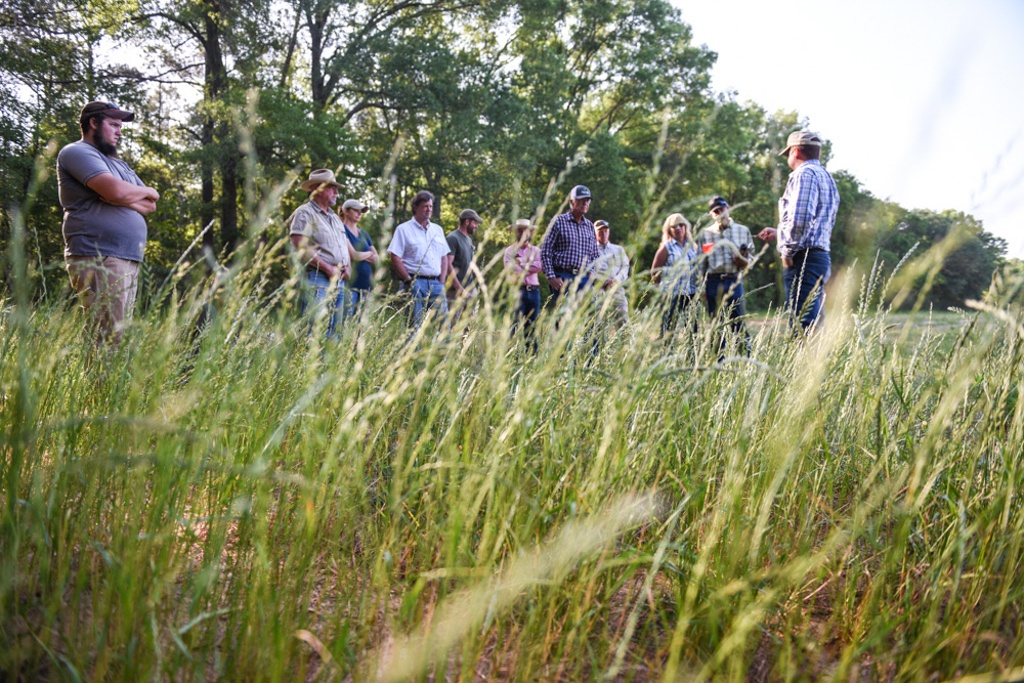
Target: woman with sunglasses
[(675, 270)]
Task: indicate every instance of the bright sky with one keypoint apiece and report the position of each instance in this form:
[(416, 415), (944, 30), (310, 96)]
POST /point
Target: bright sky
[(923, 100)]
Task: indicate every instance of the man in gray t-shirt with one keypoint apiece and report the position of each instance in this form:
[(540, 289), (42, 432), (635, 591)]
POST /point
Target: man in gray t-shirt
[(104, 227), (460, 241)]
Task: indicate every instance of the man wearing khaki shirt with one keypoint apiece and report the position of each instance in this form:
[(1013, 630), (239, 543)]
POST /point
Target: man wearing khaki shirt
[(318, 236)]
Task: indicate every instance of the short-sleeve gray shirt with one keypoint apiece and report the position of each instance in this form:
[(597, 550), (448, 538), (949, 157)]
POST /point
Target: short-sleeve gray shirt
[(91, 226), (463, 250)]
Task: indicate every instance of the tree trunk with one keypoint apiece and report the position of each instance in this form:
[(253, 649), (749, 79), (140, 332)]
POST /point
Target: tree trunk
[(217, 134)]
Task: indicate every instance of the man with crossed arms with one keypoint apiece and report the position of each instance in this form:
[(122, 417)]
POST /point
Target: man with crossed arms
[(104, 204)]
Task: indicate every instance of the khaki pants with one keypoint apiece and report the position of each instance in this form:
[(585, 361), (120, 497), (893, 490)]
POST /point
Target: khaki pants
[(106, 290)]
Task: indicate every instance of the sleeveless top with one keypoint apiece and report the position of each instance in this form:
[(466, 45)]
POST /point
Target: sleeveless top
[(679, 276)]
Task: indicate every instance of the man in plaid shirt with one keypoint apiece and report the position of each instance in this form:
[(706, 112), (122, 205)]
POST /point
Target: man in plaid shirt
[(807, 215), (570, 245), (726, 246)]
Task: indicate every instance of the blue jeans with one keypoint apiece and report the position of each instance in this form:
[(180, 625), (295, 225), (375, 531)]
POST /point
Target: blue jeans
[(427, 295), (324, 293), (528, 310), (725, 292), (805, 285), (357, 299)]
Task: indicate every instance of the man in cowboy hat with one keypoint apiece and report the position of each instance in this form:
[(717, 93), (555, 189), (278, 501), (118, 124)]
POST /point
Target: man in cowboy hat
[(318, 236), (524, 258), (104, 227), (807, 215)]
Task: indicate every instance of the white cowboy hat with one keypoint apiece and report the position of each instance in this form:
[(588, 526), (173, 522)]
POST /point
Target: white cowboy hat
[(320, 178)]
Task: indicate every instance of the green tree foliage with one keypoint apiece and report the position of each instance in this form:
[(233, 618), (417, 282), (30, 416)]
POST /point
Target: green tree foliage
[(486, 103), (967, 269), (52, 65)]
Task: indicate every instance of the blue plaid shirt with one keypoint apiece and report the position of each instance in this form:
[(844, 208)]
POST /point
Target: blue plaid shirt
[(568, 245), (807, 210)]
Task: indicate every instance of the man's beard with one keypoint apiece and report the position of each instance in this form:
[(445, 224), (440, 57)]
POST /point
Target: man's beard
[(105, 147)]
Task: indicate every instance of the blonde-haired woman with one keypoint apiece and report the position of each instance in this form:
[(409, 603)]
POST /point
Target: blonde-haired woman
[(675, 269)]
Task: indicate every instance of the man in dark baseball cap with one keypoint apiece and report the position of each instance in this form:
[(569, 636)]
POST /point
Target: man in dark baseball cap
[(460, 242), (725, 245), (570, 246), (105, 204), (108, 109), (580, 192)]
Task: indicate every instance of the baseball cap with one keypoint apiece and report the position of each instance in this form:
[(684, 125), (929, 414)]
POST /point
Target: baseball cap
[(107, 109), (580, 192), (470, 214), (601, 225), (716, 202), (799, 138), (354, 204)]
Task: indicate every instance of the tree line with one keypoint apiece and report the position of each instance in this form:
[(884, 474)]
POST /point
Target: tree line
[(486, 103)]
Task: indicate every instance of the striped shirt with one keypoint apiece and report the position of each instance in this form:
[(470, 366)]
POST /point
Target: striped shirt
[(568, 245), (807, 210), (720, 244), (679, 274)]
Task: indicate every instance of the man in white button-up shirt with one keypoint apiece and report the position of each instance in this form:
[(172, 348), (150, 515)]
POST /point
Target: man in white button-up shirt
[(419, 253)]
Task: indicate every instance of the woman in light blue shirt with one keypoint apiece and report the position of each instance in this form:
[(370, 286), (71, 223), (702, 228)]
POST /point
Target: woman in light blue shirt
[(675, 271)]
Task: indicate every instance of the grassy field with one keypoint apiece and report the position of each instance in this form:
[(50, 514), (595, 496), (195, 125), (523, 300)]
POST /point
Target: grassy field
[(248, 503)]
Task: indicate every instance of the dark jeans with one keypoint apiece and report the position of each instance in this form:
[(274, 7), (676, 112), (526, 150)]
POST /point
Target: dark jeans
[(678, 308), (580, 283), (805, 285), (568, 280), (725, 293), (528, 310)]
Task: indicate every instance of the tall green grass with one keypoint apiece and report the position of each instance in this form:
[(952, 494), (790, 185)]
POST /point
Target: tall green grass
[(248, 502)]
